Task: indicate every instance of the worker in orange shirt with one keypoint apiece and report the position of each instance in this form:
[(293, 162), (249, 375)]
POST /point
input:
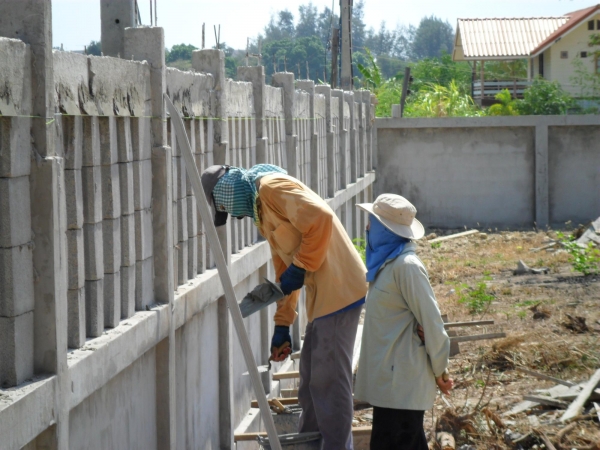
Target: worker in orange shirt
[(310, 248)]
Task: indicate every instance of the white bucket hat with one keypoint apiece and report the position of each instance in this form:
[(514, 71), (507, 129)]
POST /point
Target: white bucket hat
[(397, 214)]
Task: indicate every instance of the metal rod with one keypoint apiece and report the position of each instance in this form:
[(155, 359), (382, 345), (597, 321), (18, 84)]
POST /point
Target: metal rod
[(150, 12), (203, 35), (155, 14), (230, 297)]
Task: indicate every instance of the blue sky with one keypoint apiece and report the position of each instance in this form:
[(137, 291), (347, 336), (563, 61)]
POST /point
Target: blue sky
[(77, 22)]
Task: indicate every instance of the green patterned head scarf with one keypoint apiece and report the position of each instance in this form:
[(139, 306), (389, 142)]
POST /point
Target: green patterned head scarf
[(236, 193)]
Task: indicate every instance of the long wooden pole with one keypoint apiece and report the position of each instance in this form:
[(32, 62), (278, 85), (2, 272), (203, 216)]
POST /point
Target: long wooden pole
[(213, 240)]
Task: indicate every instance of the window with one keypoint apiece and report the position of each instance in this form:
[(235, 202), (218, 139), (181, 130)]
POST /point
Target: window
[(564, 55), (541, 64), (583, 54), (597, 24), (591, 25)]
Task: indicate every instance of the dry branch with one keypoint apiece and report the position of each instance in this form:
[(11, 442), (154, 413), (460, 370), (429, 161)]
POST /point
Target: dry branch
[(542, 376)]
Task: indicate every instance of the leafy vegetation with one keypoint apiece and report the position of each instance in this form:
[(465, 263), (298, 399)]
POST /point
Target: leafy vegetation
[(544, 98), (506, 106), (94, 48), (360, 246), (585, 260), (477, 299), (435, 100)]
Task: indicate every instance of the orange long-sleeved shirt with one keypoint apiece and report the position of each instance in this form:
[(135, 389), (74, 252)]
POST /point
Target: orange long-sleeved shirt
[(302, 229)]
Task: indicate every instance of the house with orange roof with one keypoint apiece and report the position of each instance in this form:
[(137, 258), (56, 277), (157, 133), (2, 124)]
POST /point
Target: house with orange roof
[(552, 46)]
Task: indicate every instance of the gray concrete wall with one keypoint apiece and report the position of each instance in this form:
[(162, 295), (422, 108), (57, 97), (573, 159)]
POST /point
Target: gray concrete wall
[(152, 361), (505, 172)]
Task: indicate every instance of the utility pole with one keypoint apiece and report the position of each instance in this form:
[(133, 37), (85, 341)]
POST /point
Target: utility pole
[(346, 16), (335, 46)]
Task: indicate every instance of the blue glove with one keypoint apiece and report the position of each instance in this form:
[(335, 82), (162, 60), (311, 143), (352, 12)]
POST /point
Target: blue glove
[(292, 279), (281, 335)]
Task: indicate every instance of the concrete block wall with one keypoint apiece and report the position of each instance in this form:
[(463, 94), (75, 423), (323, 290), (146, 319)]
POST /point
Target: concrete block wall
[(505, 172), (16, 263), (137, 348)]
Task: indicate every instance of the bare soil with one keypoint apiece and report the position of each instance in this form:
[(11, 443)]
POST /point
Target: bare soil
[(552, 323)]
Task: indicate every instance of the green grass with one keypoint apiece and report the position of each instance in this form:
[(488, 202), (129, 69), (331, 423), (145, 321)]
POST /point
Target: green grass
[(477, 299)]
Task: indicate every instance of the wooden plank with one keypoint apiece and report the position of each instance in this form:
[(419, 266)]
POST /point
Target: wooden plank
[(283, 401), (252, 436), (476, 337), (295, 355), (468, 324), (357, 344), (576, 407), (286, 375), (542, 376), (445, 441), (543, 400), (527, 405), (453, 236)]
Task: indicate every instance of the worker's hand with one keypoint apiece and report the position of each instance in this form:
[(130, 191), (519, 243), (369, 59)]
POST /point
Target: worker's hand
[(292, 279), (421, 333), (281, 336), (445, 383)]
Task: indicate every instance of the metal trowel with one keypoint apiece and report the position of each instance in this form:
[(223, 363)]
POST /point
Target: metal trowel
[(260, 297)]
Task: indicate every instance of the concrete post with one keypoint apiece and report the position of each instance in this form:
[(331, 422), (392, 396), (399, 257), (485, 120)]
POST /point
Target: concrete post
[(346, 13), (542, 213), (315, 173), (116, 15), (343, 134), (149, 44), (31, 21), (285, 80), (256, 75), (349, 98), (213, 62), (370, 120), (329, 174)]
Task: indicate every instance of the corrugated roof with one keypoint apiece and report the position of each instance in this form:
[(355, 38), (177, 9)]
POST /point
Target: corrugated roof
[(506, 37), (575, 18)]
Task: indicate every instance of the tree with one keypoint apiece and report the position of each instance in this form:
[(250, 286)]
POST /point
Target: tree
[(295, 51), (434, 100), (358, 25), (307, 23), (180, 51), (432, 38), (282, 28), (544, 98), (94, 48), (505, 107), (442, 71)]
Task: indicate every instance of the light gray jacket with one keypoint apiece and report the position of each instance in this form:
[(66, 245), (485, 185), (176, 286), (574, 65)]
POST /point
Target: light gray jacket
[(396, 370)]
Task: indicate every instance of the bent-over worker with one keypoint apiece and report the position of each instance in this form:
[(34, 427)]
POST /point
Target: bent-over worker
[(310, 248), (397, 371)]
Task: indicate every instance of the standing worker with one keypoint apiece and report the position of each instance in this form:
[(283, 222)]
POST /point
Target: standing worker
[(310, 248), (397, 370)]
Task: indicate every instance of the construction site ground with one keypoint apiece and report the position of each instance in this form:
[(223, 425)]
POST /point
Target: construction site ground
[(473, 279)]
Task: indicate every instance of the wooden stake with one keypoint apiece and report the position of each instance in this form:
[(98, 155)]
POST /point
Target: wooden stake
[(453, 236), (476, 337), (541, 376), (286, 375)]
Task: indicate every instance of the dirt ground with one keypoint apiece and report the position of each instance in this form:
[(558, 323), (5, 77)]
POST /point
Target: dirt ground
[(473, 280)]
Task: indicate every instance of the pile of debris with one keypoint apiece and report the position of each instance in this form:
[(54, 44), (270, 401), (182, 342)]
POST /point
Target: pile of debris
[(563, 405)]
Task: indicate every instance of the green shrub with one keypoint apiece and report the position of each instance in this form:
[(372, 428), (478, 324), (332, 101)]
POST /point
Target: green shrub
[(544, 98), (477, 299), (585, 260), (360, 246)]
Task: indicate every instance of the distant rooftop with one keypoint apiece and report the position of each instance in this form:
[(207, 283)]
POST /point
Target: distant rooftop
[(502, 38)]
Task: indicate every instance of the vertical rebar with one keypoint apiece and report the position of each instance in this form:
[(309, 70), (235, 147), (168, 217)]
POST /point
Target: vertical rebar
[(150, 12)]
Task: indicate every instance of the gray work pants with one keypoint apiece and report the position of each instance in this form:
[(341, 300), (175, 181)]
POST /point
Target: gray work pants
[(325, 391)]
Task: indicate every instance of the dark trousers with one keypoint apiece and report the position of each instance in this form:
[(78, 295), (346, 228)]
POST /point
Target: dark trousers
[(398, 429), (325, 392)]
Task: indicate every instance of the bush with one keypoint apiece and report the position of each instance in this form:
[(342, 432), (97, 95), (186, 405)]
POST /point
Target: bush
[(585, 260), (434, 100), (544, 98)]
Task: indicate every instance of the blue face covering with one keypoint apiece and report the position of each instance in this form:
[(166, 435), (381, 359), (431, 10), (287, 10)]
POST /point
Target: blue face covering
[(382, 245)]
